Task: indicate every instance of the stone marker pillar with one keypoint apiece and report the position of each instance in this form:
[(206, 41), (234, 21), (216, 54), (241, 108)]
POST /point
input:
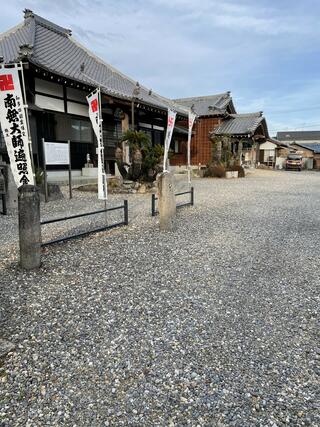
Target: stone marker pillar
[(167, 201), (11, 188), (12, 193), (29, 226)]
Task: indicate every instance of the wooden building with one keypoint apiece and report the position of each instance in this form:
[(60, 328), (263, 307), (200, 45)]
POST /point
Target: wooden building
[(211, 111), (59, 73), (216, 116), (246, 132)]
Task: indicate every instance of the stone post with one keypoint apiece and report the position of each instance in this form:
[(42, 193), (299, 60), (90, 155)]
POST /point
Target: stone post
[(167, 201), (29, 226), (11, 188), (240, 148)]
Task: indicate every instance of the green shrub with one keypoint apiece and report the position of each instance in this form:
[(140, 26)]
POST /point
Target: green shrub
[(215, 171), (146, 159), (39, 176)]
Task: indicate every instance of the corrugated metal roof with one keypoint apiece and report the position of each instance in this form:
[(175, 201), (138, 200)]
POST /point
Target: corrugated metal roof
[(54, 49), (209, 105), (310, 135), (241, 124), (314, 146)]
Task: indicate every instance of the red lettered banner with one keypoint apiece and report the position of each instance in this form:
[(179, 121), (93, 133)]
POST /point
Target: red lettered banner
[(14, 126), (170, 126), (96, 121)]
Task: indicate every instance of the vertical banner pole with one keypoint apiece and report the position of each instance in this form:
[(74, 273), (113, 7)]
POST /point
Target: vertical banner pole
[(191, 119), (102, 158), (25, 107), (13, 121), (70, 173), (95, 114), (170, 126), (45, 171)]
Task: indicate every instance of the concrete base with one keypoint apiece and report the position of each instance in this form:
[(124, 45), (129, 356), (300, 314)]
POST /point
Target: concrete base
[(231, 174), (90, 172), (167, 201)]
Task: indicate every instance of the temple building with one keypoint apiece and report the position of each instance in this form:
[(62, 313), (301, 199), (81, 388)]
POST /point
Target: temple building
[(211, 111), (59, 72), (246, 132), (217, 117)]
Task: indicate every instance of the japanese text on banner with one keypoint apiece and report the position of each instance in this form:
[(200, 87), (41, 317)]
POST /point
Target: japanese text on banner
[(14, 126), (95, 117), (170, 126)]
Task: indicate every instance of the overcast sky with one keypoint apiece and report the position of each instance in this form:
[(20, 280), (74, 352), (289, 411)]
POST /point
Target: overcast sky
[(266, 52)]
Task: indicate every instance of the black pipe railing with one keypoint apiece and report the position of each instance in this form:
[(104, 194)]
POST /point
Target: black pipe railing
[(154, 198), (95, 230)]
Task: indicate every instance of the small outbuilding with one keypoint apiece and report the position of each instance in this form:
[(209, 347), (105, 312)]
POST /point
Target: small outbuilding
[(273, 153), (307, 143), (245, 133)]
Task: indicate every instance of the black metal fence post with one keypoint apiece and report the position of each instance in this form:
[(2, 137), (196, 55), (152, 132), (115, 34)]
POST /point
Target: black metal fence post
[(45, 176), (69, 171), (126, 212), (154, 211), (153, 205), (4, 204)]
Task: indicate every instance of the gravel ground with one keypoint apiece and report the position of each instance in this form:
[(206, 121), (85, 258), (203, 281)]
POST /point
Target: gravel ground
[(215, 324)]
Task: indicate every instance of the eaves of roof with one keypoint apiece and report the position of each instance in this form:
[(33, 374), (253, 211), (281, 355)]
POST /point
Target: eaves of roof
[(314, 147), (51, 48), (241, 125)]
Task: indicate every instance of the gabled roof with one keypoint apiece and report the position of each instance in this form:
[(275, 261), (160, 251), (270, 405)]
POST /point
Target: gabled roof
[(313, 146), (309, 135), (278, 143), (242, 125), (212, 105), (52, 48)]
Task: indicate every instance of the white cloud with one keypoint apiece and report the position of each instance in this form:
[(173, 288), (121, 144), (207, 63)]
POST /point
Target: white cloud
[(184, 48)]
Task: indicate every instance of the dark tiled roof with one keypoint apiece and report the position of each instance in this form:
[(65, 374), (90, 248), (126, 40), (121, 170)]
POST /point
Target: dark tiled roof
[(310, 135), (54, 49), (241, 124), (209, 105), (315, 147)]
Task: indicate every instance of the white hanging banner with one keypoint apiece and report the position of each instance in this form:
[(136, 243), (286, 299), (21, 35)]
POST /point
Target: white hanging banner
[(96, 120), (170, 126), (191, 118), (14, 124)]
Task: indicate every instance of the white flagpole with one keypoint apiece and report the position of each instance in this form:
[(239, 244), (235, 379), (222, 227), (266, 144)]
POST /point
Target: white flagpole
[(25, 107), (191, 119), (102, 152), (95, 114), (189, 165), (170, 126)]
